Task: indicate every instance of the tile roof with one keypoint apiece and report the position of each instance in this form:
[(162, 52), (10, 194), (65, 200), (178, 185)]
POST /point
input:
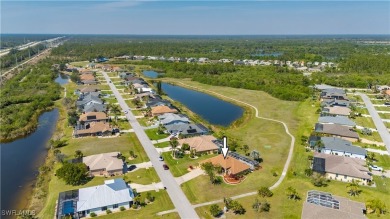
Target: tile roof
[(95, 127), (107, 161), (200, 143), (338, 110), (163, 109), (90, 116), (233, 165), (353, 167)]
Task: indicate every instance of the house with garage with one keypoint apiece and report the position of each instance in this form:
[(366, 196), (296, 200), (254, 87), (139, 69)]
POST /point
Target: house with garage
[(106, 164), (158, 101), (184, 130), (336, 111), (94, 107), (93, 117), (112, 195), (341, 168), (88, 100), (93, 129), (335, 102), (333, 93), (160, 110), (231, 166), (340, 147), (338, 120), (172, 118), (201, 144), (337, 130)]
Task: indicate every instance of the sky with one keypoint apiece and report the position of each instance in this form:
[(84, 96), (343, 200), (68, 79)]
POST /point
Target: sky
[(195, 17)]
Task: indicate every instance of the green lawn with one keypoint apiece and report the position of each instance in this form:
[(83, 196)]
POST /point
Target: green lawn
[(374, 137), (130, 103), (383, 161), (124, 124), (382, 108), (93, 145), (179, 166), (364, 121), (384, 115), (146, 121), (153, 135), (378, 101), (80, 63), (142, 176), (387, 124), (110, 100), (162, 144), (137, 112)]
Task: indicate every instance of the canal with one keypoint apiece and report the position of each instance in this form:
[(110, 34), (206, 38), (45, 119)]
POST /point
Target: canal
[(213, 110), (20, 161)]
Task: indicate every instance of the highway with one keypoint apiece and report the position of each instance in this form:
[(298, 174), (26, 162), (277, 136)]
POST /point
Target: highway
[(182, 205), (27, 45), (380, 127)]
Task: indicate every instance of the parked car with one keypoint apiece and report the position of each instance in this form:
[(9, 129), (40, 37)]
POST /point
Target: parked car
[(387, 103), (166, 167), (160, 158), (126, 112), (109, 82), (375, 167)]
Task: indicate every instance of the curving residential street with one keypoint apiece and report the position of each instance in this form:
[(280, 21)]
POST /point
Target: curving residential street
[(180, 201)]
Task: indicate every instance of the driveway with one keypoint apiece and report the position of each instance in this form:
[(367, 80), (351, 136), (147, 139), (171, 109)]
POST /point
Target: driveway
[(382, 130), (182, 205)]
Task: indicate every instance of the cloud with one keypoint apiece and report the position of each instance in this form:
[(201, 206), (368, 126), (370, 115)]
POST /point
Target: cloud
[(112, 6)]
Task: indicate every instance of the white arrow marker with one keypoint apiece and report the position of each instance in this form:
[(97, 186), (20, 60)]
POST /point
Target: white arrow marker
[(225, 148)]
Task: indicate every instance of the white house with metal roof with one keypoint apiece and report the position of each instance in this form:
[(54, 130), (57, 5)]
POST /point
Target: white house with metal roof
[(341, 147)]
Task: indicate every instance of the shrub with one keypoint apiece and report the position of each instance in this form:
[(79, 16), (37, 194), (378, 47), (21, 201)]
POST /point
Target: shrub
[(122, 208), (108, 211), (215, 210), (92, 214)]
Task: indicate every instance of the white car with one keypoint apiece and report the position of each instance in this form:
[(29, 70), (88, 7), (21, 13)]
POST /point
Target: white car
[(375, 167)]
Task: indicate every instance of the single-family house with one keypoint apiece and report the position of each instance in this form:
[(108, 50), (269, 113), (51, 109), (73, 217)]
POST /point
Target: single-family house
[(186, 130), (335, 102), (333, 93), (321, 205), (171, 118), (230, 165), (87, 100), (94, 107), (341, 168), (106, 164), (336, 111), (337, 130), (93, 129), (158, 101), (159, 110), (112, 195), (339, 120), (201, 144), (341, 147), (93, 117)]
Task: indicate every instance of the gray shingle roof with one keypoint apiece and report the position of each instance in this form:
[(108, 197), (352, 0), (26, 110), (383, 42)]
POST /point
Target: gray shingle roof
[(337, 130), (187, 129), (94, 107), (338, 144), (340, 120), (169, 118)]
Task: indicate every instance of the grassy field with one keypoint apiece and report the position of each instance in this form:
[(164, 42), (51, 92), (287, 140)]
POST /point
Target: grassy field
[(383, 161), (382, 108), (142, 176), (153, 135), (80, 64), (94, 145), (162, 144), (364, 121), (374, 137), (384, 115), (378, 101)]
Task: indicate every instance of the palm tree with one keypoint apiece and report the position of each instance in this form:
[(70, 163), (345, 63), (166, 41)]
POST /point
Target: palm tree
[(353, 188), (78, 154), (115, 109), (174, 143), (292, 193)]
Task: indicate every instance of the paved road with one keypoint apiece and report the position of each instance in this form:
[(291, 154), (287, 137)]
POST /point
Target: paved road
[(183, 206), (382, 130)]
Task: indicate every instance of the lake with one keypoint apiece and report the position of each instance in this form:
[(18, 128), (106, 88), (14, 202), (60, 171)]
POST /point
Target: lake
[(20, 161), (62, 79), (213, 110), (151, 74)]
